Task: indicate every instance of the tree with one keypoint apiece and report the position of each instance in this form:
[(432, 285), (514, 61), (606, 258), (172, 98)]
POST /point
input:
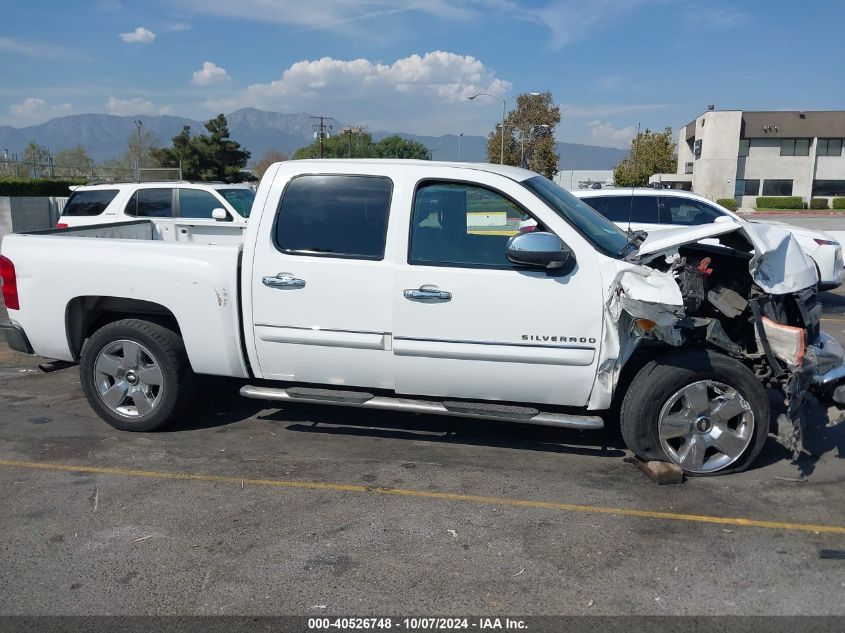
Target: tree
[(651, 153), (73, 163), (37, 157), (362, 146), (529, 135), (270, 156), (397, 147), (212, 156), (143, 147)]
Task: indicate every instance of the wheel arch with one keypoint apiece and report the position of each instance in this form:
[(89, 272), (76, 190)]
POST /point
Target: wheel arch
[(86, 314)]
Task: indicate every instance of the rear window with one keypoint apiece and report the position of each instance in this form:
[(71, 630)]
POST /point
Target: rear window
[(336, 216), (90, 202), (240, 199)]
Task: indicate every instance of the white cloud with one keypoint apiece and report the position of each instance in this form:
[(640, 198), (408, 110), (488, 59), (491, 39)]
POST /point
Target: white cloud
[(35, 110), (39, 50), (135, 105), (139, 36), (605, 134), (210, 74), (414, 93)]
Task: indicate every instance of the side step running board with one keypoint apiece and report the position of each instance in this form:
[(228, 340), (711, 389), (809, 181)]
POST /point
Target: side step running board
[(481, 410)]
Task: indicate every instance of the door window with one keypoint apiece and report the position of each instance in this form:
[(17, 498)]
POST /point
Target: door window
[(151, 203), (334, 216), (624, 209), (684, 212), (195, 203), (462, 225)]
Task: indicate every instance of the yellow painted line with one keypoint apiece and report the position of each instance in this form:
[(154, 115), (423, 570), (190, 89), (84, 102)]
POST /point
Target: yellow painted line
[(425, 494), (491, 232)]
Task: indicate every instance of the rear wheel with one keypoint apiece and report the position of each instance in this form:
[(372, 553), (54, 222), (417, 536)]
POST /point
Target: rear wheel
[(135, 374), (705, 412)]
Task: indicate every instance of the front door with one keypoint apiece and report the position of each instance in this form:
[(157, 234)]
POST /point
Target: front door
[(321, 292), (468, 323)]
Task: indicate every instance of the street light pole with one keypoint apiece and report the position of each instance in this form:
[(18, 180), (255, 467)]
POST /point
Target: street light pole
[(504, 102), (138, 124), (460, 136)]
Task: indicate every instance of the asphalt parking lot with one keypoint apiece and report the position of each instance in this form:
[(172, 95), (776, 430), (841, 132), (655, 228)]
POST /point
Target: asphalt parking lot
[(244, 509)]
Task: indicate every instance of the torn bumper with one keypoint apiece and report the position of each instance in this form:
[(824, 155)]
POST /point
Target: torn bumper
[(828, 359)]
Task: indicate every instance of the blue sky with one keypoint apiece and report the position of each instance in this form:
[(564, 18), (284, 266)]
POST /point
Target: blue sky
[(410, 65)]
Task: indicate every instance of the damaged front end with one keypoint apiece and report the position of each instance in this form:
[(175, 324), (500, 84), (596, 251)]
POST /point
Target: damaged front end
[(747, 291)]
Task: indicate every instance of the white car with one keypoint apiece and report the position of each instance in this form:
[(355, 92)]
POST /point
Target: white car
[(658, 209), (375, 284), (202, 203)]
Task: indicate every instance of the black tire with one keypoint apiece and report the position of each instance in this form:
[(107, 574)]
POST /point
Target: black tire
[(157, 343), (656, 383)]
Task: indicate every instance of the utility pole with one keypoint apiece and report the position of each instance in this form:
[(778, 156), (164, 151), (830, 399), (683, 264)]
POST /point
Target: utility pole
[(460, 137), (320, 126), (350, 131)]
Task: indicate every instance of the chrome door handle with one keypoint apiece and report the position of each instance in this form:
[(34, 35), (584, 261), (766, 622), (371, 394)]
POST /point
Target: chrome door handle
[(283, 280), (427, 293)]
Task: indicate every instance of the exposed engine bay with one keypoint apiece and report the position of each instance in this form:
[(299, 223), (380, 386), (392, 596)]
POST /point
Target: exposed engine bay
[(769, 319)]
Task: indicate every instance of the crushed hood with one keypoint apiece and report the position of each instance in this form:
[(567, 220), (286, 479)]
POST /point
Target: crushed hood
[(779, 264)]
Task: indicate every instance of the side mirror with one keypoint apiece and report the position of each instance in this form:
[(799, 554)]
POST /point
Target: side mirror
[(724, 218), (539, 249), (220, 215)]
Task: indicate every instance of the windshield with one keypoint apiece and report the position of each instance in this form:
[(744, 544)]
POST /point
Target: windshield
[(240, 199), (603, 233)]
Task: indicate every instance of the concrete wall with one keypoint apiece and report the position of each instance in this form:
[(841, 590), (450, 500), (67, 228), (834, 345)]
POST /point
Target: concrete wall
[(21, 214), (571, 179), (714, 172)]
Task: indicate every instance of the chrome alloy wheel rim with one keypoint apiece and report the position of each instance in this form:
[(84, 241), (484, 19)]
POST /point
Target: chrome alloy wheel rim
[(705, 426), (128, 379)]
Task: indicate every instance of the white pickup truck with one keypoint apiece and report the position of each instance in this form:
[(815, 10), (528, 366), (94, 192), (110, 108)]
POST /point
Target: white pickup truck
[(405, 286)]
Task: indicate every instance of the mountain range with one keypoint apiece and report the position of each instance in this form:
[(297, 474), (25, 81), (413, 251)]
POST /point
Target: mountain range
[(105, 136)]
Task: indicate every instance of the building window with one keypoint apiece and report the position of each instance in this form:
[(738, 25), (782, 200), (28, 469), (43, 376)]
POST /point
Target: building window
[(777, 188), (744, 145), (687, 168), (795, 147), (829, 187), (747, 187), (697, 148), (829, 147)]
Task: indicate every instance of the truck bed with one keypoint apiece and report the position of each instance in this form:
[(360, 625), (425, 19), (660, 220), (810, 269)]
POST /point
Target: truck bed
[(183, 231), (194, 279)]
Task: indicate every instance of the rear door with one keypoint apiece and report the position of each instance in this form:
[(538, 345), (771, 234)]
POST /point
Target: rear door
[(321, 288)]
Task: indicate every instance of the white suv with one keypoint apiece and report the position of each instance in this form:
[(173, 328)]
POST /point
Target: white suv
[(200, 203), (660, 209)]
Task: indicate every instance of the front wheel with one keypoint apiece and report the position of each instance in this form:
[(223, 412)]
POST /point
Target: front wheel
[(135, 374), (704, 411)]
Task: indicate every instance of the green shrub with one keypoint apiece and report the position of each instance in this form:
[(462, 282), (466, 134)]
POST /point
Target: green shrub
[(728, 203), (36, 187), (839, 203), (780, 202), (818, 203)]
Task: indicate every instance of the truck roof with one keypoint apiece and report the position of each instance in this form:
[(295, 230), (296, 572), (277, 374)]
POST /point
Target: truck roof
[(514, 173)]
